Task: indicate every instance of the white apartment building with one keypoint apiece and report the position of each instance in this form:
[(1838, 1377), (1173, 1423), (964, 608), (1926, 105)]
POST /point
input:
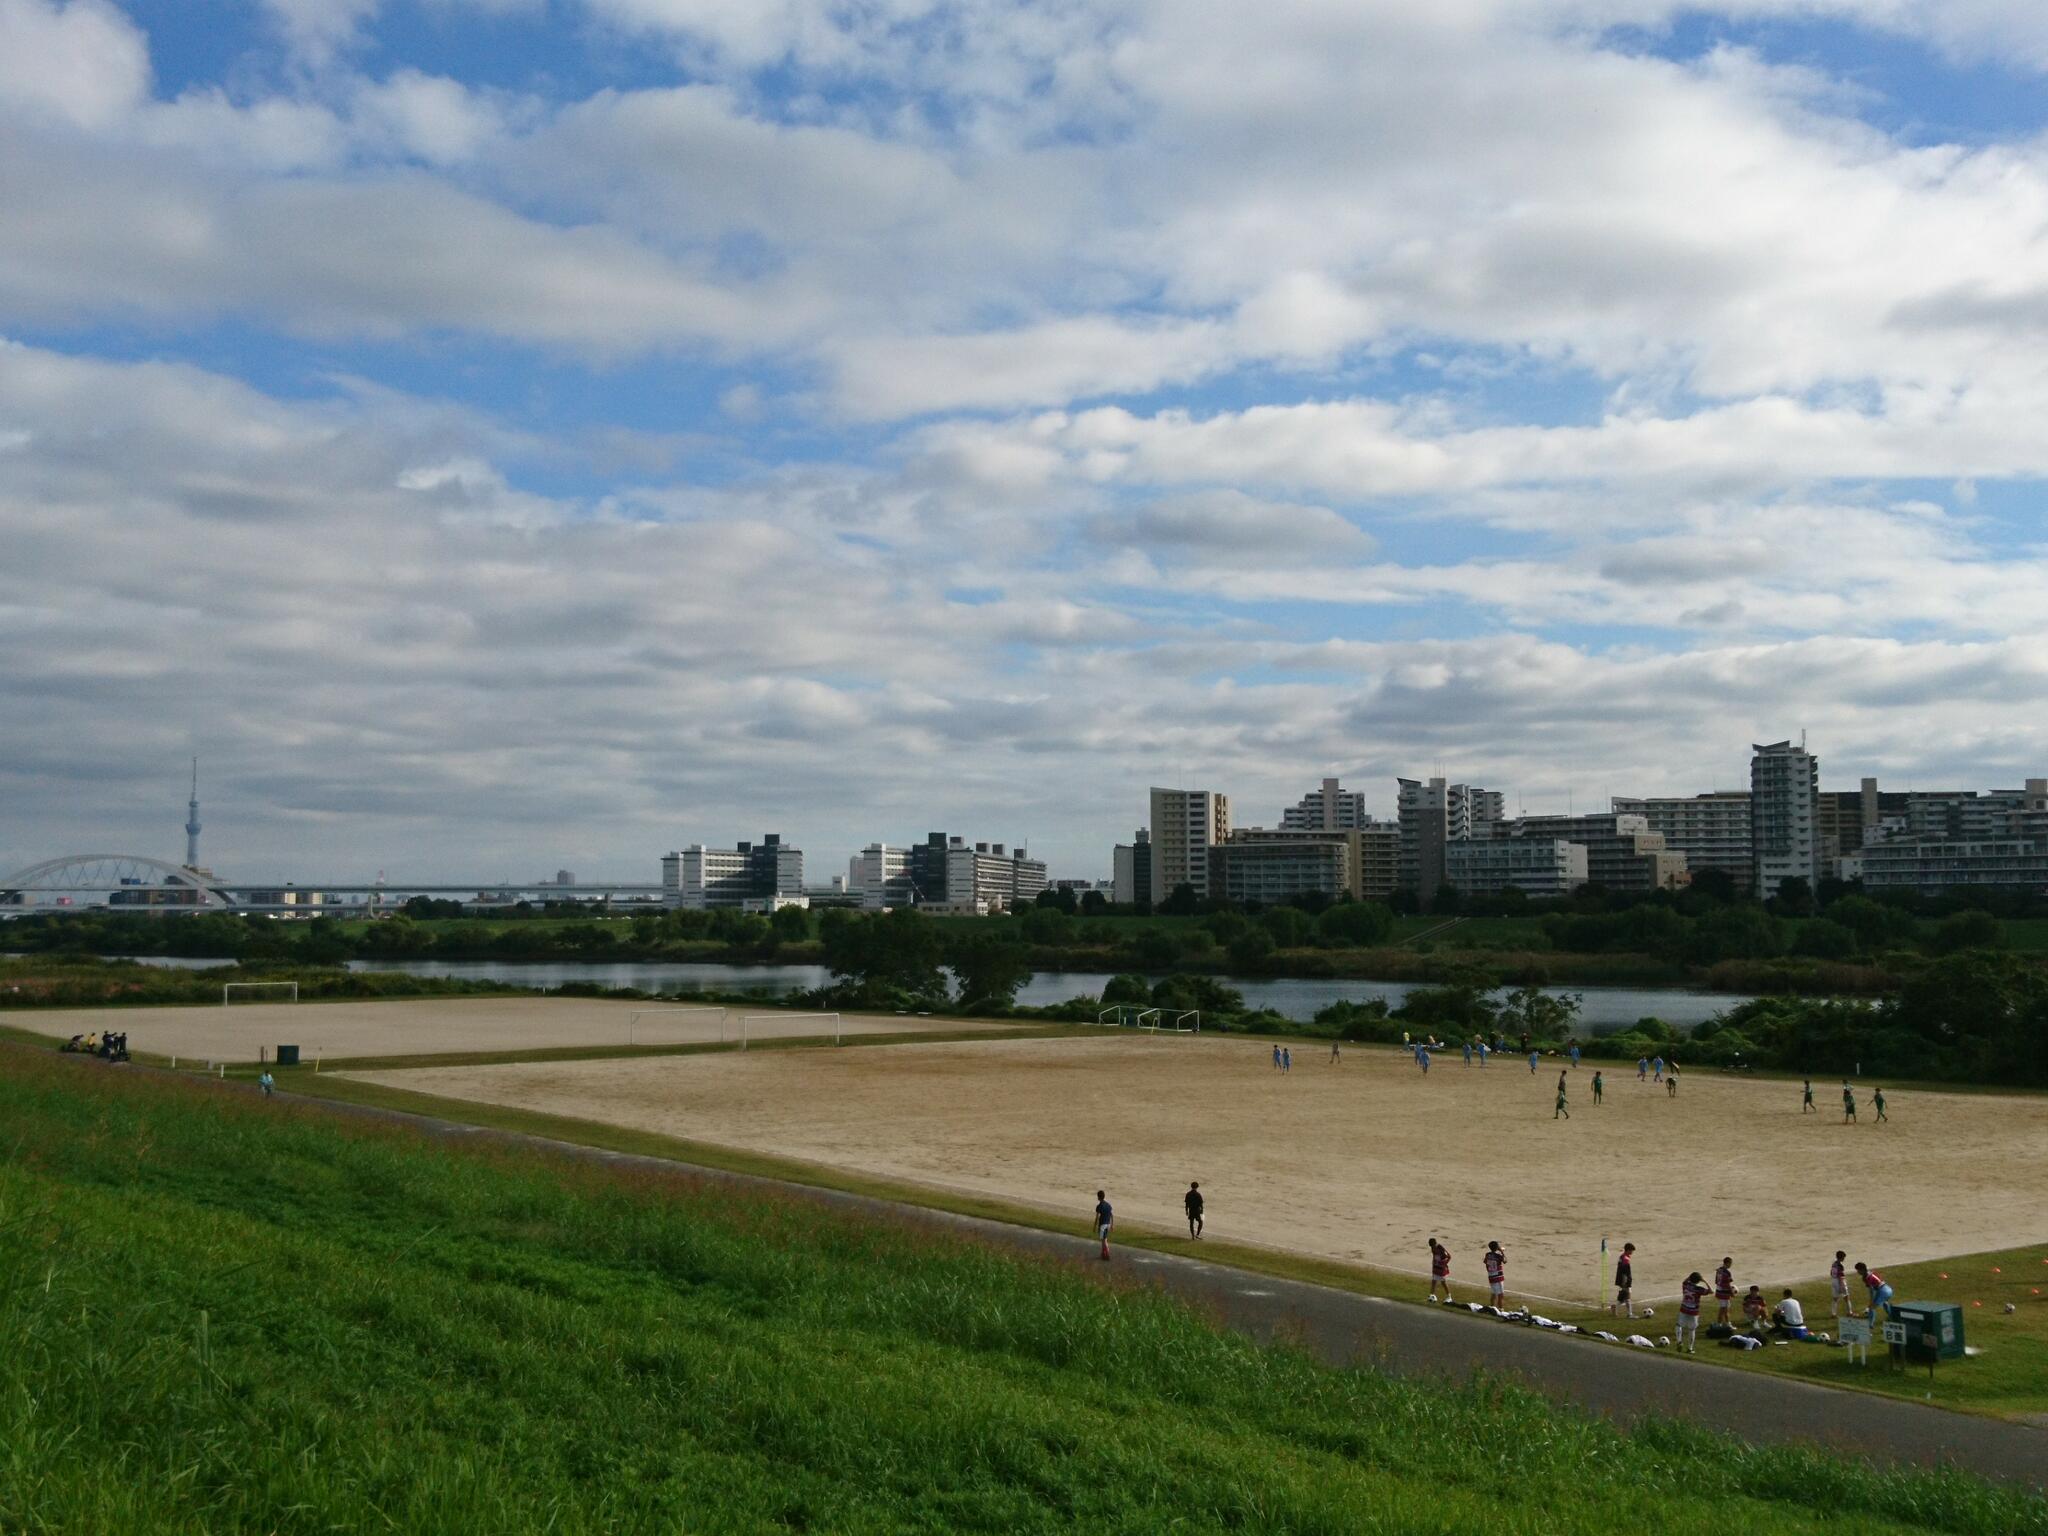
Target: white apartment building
[(1329, 809), (881, 877), (1185, 825), (1929, 868), (1278, 869), (743, 875), (1784, 816), (1433, 814), (1711, 830), (1372, 853), (1622, 853), (1539, 866), (985, 879)]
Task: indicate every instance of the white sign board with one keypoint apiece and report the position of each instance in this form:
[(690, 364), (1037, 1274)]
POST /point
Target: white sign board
[(1855, 1336), (1895, 1333)]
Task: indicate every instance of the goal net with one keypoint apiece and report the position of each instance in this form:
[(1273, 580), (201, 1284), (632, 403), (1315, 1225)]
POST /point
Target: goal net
[(676, 1026), (768, 1026), (230, 989)]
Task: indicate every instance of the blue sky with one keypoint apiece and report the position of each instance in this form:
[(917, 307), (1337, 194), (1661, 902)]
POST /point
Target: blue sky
[(505, 434)]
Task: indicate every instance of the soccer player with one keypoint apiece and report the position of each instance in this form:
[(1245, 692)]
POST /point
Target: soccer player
[(1496, 1262), (1878, 1098), (1596, 1085), (1642, 1069), (1838, 1286), (1439, 1269), (1657, 1069), (1806, 1103), (1468, 1050), (1560, 1109), (1422, 1058), (1193, 1201), (1689, 1296), (1276, 1058), (1532, 1062), (1286, 1058), (1625, 1280), (1671, 1082), (1334, 1053), (1105, 1218), (1575, 1055), (1755, 1310), (1482, 1050), (1880, 1290), (1724, 1288), (267, 1083), (1848, 1104)]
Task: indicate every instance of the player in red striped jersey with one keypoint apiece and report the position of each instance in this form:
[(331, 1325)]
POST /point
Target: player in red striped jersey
[(1439, 1269), (1496, 1262), (1838, 1285), (1690, 1294), (1625, 1279), (1724, 1288)]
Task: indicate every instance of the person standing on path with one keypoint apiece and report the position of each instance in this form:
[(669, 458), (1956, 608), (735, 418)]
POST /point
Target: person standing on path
[(1625, 1281), (1496, 1262), (1806, 1103), (1439, 1269), (1838, 1285), (1878, 1099), (1105, 1218), (1596, 1086), (1193, 1201)]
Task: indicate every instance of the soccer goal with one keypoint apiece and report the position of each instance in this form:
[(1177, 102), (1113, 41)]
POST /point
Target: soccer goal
[(828, 1024), (228, 989), (1189, 1023), (651, 1021)]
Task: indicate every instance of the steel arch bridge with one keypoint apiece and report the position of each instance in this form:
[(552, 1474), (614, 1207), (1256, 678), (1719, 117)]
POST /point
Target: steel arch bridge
[(104, 876)]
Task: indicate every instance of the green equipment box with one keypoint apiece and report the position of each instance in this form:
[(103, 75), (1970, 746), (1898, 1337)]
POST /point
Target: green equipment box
[(287, 1055), (1934, 1330)]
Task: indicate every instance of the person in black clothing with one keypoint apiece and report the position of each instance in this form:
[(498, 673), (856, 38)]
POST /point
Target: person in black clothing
[(1625, 1279), (1193, 1201)]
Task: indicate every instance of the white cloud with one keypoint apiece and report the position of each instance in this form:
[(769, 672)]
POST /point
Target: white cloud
[(81, 63)]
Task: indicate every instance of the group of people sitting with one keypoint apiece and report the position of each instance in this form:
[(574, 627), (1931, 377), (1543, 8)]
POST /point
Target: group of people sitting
[(111, 1046)]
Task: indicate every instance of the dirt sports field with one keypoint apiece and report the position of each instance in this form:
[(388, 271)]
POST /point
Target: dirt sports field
[(1360, 1161), (420, 1026)]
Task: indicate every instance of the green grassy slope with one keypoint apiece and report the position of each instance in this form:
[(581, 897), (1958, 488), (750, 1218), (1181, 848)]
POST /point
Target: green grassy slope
[(229, 1315)]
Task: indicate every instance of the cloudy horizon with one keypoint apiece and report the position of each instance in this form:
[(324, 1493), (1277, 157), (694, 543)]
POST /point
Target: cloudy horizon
[(496, 435)]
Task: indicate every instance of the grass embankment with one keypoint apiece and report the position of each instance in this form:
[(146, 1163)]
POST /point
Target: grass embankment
[(225, 1315)]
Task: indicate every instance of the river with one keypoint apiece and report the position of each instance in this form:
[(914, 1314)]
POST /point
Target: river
[(1605, 1010)]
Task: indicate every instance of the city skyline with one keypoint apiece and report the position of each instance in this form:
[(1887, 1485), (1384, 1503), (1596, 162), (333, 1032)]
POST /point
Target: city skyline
[(504, 436)]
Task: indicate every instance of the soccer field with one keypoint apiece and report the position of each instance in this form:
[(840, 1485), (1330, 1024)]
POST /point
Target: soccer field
[(431, 1026), (1359, 1161)]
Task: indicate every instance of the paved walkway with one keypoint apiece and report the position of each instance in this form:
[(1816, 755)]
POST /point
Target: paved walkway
[(1342, 1328)]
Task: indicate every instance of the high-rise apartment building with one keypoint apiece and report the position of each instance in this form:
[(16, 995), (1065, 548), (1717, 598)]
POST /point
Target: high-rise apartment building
[(1329, 809), (747, 874), (1432, 814), (1131, 869), (1186, 824), (1622, 853), (1784, 816), (881, 877), (1711, 830), (1543, 867), (1372, 853), (986, 879)]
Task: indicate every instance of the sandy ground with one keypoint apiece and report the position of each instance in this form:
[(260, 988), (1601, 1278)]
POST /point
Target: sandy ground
[(415, 1026), (1365, 1159)]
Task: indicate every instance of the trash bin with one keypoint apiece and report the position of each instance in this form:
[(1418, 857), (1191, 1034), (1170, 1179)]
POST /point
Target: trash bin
[(1934, 1330), (287, 1055)]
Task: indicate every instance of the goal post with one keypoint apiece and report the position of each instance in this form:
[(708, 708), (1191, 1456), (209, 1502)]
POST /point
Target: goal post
[(708, 1015), (228, 989), (828, 1022)]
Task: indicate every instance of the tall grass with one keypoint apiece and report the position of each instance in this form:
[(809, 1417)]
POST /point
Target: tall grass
[(226, 1315)]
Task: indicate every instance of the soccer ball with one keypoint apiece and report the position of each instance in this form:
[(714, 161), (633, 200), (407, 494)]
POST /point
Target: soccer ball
[(1663, 1341), (1649, 1311), (2010, 1307)]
